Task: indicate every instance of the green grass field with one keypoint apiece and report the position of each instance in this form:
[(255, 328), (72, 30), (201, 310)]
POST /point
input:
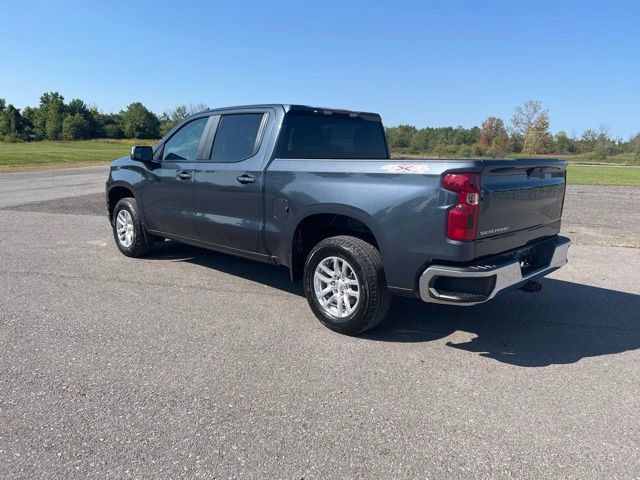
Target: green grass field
[(602, 175), (17, 156), (628, 159), (26, 156)]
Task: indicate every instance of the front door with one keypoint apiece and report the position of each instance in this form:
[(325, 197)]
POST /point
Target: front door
[(227, 185), (168, 193)]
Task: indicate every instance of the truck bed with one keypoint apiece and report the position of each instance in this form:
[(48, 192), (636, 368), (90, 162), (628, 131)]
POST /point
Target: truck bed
[(403, 203)]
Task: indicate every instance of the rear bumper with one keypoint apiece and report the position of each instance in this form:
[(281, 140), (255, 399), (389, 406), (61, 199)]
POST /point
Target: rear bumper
[(478, 283)]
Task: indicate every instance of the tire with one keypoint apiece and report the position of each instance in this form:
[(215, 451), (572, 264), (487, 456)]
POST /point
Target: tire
[(373, 299), (135, 242)]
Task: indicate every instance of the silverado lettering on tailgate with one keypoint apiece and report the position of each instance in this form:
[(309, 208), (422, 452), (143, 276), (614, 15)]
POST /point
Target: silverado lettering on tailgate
[(493, 231), (526, 194)]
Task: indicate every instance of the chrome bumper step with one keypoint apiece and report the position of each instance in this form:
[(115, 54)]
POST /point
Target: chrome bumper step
[(480, 283)]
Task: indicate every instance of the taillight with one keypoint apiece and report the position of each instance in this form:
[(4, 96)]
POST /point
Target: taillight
[(462, 220)]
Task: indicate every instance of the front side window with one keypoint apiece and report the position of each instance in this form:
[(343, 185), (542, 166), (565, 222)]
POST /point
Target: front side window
[(183, 145), (236, 137)]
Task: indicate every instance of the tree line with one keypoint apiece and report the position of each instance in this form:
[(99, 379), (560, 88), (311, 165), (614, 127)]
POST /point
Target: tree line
[(527, 133), (53, 119)]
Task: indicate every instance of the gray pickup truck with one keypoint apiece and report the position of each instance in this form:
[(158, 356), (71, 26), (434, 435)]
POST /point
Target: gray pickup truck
[(315, 190)]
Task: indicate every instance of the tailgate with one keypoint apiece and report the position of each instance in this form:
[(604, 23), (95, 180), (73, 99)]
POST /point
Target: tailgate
[(521, 202)]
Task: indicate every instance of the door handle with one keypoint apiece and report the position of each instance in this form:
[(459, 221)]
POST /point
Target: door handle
[(184, 175), (245, 178)]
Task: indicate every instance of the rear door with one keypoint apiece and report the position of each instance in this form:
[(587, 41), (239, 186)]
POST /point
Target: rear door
[(227, 184), (168, 192), (521, 202)]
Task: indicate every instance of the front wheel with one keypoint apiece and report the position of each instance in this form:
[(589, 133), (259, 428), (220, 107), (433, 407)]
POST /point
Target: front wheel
[(345, 285), (128, 231)]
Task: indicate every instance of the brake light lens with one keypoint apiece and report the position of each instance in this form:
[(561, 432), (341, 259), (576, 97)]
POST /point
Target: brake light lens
[(462, 219)]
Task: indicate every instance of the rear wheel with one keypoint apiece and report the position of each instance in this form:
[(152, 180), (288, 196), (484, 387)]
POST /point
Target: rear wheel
[(128, 231), (345, 284)]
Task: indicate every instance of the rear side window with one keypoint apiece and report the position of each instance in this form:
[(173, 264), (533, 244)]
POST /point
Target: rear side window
[(331, 136), (183, 145), (236, 137)]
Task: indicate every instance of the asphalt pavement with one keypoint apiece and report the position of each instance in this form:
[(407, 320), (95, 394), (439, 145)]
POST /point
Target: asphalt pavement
[(194, 364)]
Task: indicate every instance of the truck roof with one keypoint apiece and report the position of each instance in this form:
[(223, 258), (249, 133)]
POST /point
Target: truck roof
[(303, 108)]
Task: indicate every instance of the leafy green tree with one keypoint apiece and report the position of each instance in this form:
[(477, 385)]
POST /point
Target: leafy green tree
[(605, 146), (563, 144), (400, 136), (29, 114), (538, 137), (588, 140), (12, 124), (470, 136), (491, 128), (139, 122), (494, 139), (47, 117), (516, 142), (77, 106), (525, 116), (531, 124), (168, 120), (75, 127), (465, 151), (500, 144), (38, 119), (94, 127), (113, 130), (440, 149), (634, 144), (54, 122), (48, 120), (420, 141), (110, 125)]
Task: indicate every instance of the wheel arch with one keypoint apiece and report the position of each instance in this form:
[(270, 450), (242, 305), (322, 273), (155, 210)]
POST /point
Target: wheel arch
[(117, 191), (327, 220)]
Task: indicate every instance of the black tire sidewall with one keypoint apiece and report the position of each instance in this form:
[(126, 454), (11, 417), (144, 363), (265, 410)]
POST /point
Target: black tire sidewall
[(140, 244), (350, 323)]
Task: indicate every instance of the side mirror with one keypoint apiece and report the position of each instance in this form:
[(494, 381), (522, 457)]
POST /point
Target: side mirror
[(141, 153)]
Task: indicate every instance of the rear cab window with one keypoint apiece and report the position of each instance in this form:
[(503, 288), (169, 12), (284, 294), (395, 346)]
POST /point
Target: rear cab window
[(316, 134)]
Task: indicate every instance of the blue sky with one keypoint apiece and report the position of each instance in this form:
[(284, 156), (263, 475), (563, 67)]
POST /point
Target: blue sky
[(422, 63)]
